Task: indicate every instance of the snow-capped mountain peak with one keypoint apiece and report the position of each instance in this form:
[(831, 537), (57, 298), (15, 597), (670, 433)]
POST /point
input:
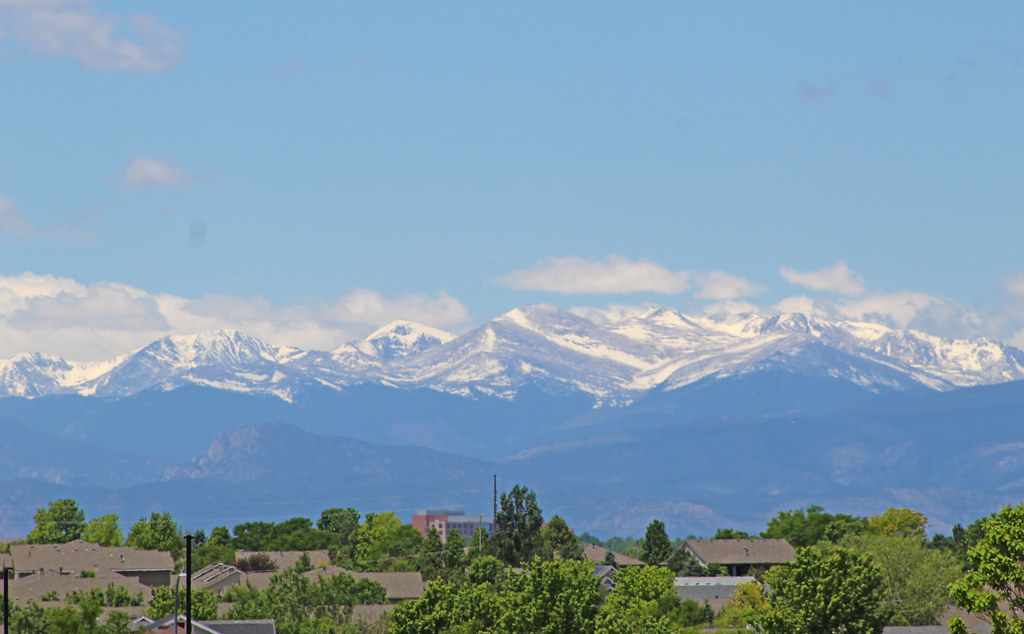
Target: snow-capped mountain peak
[(614, 362), (402, 338)]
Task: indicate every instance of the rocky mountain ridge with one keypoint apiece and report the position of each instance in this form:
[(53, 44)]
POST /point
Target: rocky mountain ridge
[(537, 346)]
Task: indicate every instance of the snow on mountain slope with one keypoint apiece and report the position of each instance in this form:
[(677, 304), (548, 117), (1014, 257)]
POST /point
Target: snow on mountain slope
[(402, 338), (223, 359), (955, 362), (535, 345), (541, 347), (34, 374)]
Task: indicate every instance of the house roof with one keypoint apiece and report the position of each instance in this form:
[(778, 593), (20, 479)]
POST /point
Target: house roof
[(740, 551), (288, 558), (24, 590), (397, 585), (596, 553), (79, 555), (250, 626), (214, 574), (711, 581)]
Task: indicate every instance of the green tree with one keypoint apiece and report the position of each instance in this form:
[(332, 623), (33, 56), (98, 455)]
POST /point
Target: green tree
[(480, 543), (645, 600), (519, 521), (159, 532), (994, 584), (429, 561), (486, 569), (657, 547), (341, 522), (730, 533), (204, 603), (381, 541), (746, 605), (219, 536), (60, 522), (917, 578), (449, 608), (299, 602), (104, 530), (559, 540), (966, 538), (799, 527), (555, 597), (826, 590), (896, 522), (684, 564), (453, 556)]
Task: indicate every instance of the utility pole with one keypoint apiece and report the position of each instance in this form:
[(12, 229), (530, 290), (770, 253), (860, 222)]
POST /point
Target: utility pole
[(188, 584), (494, 512), (7, 607)]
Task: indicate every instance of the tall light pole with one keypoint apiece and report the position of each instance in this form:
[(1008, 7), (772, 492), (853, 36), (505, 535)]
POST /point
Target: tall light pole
[(177, 583), (188, 584), (7, 607)]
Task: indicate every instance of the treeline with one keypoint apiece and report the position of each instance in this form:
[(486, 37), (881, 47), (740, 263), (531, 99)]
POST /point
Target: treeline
[(854, 574)]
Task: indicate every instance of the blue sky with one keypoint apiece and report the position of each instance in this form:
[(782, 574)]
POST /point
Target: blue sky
[(309, 171)]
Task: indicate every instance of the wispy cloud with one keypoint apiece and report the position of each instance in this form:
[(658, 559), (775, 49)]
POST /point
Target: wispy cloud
[(719, 285), (98, 40), (837, 279), (615, 274), (144, 172), (16, 227), (87, 322)]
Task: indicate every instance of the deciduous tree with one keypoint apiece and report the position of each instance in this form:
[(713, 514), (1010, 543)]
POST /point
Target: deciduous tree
[(826, 590), (917, 578), (104, 530), (159, 532), (60, 522), (896, 522), (995, 575)]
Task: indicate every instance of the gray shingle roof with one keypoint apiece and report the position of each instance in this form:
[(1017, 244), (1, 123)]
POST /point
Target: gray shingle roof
[(596, 553), (741, 551), (80, 555)]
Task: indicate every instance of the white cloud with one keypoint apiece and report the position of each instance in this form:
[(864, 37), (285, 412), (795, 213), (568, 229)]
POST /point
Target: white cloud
[(719, 285), (144, 172), (613, 313), (91, 322), (615, 274), (101, 41), (837, 279), (1014, 284), (796, 304)]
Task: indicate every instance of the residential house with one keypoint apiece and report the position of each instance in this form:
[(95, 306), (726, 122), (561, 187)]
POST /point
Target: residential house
[(597, 554), (715, 591), (148, 567), (741, 556), (251, 626)]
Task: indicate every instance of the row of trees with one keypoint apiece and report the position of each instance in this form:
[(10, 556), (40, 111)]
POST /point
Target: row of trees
[(892, 572)]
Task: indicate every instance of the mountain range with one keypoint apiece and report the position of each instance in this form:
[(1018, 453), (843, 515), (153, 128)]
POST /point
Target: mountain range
[(614, 363), (699, 421)]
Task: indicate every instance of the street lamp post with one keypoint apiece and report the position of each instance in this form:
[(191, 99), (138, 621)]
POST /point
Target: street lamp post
[(177, 583), (7, 607)]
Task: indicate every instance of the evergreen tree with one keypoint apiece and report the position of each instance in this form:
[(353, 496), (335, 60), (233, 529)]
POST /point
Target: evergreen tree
[(657, 546)]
